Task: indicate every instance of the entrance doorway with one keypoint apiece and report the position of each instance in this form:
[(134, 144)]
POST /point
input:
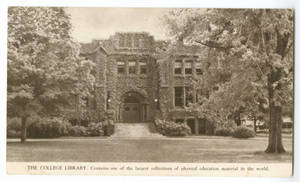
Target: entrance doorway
[(133, 109)]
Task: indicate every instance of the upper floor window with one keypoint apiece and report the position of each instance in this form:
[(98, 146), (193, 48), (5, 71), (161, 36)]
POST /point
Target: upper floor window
[(198, 68), (121, 67), (136, 42), (132, 67), (128, 41), (143, 68), (188, 67), (121, 41), (178, 67)]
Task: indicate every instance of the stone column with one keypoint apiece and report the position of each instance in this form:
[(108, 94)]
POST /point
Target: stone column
[(101, 86)]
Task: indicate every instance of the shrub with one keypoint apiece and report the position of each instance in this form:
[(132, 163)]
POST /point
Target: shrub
[(77, 131), (95, 129), (109, 127), (13, 134), (48, 128), (243, 132), (224, 132), (210, 127), (14, 123), (170, 128)]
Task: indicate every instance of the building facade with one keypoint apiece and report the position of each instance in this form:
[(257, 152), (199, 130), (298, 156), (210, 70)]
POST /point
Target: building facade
[(137, 83)]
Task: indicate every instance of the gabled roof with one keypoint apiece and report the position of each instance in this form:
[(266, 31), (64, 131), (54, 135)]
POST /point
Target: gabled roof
[(105, 45)]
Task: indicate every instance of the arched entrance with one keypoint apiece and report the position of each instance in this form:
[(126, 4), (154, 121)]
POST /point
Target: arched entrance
[(133, 109)]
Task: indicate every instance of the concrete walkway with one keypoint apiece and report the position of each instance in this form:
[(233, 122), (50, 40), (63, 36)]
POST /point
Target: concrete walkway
[(135, 130)]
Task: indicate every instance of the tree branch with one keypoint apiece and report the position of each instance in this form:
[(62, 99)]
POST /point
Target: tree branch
[(213, 45)]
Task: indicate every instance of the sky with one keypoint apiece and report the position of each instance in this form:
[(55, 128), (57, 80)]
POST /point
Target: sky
[(100, 23)]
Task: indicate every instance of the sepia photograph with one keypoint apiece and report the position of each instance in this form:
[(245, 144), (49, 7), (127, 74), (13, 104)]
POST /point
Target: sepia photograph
[(139, 91)]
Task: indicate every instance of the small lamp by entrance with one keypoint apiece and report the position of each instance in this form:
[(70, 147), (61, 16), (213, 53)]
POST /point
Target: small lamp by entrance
[(157, 103)]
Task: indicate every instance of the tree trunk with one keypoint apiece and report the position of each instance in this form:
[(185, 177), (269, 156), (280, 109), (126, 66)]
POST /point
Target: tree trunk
[(275, 139), (275, 111), (23, 130), (254, 123)]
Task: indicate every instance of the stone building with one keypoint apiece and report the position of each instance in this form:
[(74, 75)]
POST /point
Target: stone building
[(136, 83)]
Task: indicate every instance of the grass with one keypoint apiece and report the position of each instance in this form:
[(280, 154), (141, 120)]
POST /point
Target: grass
[(146, 150)]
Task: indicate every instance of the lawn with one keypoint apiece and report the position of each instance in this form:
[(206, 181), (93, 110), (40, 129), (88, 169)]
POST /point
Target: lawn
[(199, 149)]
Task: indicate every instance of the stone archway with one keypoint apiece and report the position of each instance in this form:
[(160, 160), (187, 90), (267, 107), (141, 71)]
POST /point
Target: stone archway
[(133, 108)]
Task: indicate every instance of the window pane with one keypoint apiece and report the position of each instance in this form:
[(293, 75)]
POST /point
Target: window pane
[(177, 71), (136, 42), (121, 41), (188, 64), (178, 96), (128, 41), (121, 67), (188, 71), (143, 67), (179, 120), (198, 68), (199, 71), (121, 63), (178, 67), (188, 67), (143, 70), (132, 67), (121, 70)]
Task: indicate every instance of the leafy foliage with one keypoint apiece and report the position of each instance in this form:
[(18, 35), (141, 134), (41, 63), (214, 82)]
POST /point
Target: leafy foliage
[(224, 132), (253, 48), (243, 132), (95, 129), (48, 128), (170, 128), (45, 71), (77, 131)]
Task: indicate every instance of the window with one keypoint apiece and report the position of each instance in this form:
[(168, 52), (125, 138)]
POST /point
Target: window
[(141, 43), (198, 68), (121, 67), (128, 41), (179, 120), (143, 68), (132, 67), (121, 41), (178, 67), (188, 96), (178, 96), (183, 96), (136, 42), (188, 67)]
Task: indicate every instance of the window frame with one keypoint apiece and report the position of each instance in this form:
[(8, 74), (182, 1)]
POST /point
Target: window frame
[(178, 67), (132, 67), (190, 67), (143, 66), (121, 66), (197, 68), (179, 97)]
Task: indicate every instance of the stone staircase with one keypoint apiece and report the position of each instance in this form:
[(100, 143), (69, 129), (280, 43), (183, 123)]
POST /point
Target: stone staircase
[(135, 130)]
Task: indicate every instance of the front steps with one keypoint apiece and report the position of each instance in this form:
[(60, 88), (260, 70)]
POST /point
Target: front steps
[(135, 130)]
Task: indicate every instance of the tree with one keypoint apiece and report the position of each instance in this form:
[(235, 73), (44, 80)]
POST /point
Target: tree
[(255, 46), (44, 67)]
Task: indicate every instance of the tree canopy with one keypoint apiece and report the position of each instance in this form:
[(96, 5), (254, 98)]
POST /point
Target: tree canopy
[(253, 48), (44, 66)]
